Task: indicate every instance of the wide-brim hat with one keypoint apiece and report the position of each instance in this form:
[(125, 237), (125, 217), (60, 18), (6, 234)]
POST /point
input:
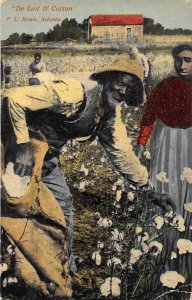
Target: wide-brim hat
[(122, 64)]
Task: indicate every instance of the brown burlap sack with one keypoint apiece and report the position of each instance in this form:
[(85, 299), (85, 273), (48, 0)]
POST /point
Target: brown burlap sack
[(35, 226)]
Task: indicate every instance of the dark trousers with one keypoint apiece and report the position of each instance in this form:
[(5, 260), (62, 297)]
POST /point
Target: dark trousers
[(53, 177)]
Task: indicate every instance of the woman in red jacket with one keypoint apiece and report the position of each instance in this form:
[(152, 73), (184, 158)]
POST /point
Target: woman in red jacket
[(168, 120)]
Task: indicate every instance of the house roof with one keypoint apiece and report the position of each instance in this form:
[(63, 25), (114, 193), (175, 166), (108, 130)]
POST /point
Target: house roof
[(106, 20)]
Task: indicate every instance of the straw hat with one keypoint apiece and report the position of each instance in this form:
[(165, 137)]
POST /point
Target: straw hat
[(122, 64)]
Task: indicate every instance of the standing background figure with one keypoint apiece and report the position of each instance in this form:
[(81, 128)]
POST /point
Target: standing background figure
[(36, 67)]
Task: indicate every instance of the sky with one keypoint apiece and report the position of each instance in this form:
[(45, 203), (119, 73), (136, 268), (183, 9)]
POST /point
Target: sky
[(29, 15)]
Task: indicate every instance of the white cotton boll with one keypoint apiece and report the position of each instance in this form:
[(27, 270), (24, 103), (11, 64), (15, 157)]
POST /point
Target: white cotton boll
[(116, 204), (96, 257), (173, 255), (97, 216), (147, 154), (10, 250), (188, 207), (144, 247), (156, 247), (85, 170), (187, 174), (113, 261), (120, 182), (184, 246), (64, 149), (4, 283), (161, 176), (12, 280), (170, 214), (116, 235), (117, 247), (82, 186), (111, 286), (118, 195), (135, 255), (139, 238), (178, 223), (94, 143), (74, 143), (130, 196), (100, 245), (102, 159), (131, 207), (171, 279), (159, 222), (106, 222), (3, 268), (82, 167), (14, 185), (131, 186), (145, 237)]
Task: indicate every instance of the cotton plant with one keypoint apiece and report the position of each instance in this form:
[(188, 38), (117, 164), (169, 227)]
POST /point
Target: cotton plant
[(171, 279), (9, 281), (3, 268), (147, 154), (111, 287), (162, 176), (186, 175), (104, 222), (7, 272), (184, 246), (173, 255), (188, 207), (96, 257), (178, 222), (135, 239), (113, 261), (159, 221)]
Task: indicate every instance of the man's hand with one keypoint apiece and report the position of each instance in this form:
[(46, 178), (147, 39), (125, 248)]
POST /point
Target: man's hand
[(24, 160), (162, 200), (139, 150)]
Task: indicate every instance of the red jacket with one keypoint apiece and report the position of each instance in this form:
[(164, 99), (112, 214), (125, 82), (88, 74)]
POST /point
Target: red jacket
[(171, 102)]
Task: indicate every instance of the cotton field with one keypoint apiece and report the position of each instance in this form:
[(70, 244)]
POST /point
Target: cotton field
[(161, 64), (120, 240)]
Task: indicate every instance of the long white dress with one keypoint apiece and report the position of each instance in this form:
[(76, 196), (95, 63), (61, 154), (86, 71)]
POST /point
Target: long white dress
[(171, 152)]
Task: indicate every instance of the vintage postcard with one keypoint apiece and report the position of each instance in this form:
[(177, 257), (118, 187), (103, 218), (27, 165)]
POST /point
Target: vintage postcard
[(96, 131)]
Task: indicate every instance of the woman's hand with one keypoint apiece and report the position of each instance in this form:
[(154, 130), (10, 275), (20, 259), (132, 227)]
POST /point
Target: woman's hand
[(162, 200)]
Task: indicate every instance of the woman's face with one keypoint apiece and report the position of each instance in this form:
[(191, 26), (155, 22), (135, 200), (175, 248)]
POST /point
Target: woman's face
[(183, 64)]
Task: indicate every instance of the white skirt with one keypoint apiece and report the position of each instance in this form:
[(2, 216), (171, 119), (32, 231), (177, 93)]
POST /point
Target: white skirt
[(171, 152)]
